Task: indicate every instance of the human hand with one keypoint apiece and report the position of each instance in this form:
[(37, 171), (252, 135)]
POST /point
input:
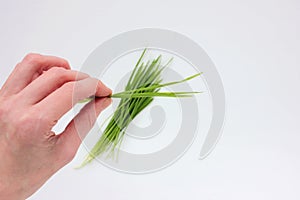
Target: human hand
[(35, 96)]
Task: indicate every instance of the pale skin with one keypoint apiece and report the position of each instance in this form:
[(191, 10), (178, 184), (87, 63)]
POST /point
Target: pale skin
[(39, 91)]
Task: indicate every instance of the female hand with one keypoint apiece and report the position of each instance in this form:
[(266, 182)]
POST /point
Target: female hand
[(36, 95)]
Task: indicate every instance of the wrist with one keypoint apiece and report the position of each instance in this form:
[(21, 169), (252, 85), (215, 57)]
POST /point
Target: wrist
[(10, 184), (10, 193), (5, 192)]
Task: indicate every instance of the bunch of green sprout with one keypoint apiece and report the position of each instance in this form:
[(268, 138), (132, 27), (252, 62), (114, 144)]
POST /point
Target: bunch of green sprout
[(143, 85)]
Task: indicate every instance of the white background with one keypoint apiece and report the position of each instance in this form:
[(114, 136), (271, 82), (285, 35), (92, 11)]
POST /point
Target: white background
[(255, 46)]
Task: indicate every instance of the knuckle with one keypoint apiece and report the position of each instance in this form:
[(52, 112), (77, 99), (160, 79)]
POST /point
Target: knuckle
[(59, 72), (63, 74), (32, 119), (54, 70), (24, 123), (69, 87), (27, 119), (19, 65), (44, 120), (32, 58), (65, 62), (4, 109)]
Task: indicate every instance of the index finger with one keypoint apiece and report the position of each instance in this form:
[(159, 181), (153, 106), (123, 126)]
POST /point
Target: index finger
[(64, 98), (31, 66)]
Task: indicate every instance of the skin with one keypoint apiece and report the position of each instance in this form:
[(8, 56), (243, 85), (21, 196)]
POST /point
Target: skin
[(39, 91)]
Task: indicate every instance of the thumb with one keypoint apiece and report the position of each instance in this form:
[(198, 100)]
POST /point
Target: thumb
[(70, 139)]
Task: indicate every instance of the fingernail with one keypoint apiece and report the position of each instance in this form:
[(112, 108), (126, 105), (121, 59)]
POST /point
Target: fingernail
[(104, 90), (108, 90)]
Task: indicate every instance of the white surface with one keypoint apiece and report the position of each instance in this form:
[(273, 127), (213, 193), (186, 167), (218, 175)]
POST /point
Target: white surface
[(255, 46)]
